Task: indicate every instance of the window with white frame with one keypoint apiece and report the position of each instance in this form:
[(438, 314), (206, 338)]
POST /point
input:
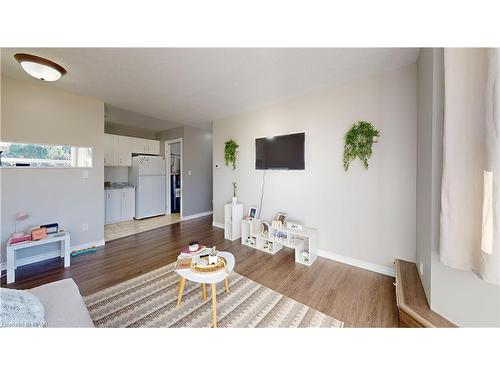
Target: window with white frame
[(30, 155)]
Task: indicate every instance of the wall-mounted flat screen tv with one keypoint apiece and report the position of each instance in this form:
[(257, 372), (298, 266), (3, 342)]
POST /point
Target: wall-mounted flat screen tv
[(280, 152)]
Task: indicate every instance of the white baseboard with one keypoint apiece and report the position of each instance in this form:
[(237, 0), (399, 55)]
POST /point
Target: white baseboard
[(357, 263), (195, 216), (52, 254), (217, 225)]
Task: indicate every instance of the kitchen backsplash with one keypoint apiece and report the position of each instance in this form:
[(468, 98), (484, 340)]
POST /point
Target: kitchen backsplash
[(116, 174)]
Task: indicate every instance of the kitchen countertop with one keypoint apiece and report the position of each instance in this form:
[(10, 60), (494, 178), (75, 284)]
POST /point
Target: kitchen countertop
[(119, 185)]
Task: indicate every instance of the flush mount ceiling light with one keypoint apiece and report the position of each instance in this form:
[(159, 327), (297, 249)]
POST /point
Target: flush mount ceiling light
[(40, 68)]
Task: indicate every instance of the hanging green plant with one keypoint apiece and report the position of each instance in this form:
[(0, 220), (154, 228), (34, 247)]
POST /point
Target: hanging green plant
[(230, 150), (358, 143)]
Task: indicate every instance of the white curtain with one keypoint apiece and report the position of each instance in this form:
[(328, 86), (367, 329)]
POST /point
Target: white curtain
[(470, 192)]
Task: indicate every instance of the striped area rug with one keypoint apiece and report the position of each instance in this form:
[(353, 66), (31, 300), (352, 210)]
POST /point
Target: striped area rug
[(150, 300)]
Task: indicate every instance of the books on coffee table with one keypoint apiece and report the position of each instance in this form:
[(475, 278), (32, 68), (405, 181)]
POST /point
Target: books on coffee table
[(183, 264), (185, 252)]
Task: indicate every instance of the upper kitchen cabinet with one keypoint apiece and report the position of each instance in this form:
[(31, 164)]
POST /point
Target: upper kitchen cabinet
[(118, 149), (110, 149), (124, 151), (154, 147), (145, 146)]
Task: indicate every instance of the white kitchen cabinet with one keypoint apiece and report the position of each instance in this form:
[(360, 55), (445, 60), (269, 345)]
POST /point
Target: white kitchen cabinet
[(113, 205), (145, 146), (118, 149), (124, 151), (153, 147), (119, 205), (128, 203), (138, 145), (110, 150)]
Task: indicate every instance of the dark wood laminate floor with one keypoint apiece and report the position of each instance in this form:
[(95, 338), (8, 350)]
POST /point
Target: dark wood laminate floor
[(357, 297)]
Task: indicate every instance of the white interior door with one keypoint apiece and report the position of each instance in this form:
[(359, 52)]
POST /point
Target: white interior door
[(168, 152)]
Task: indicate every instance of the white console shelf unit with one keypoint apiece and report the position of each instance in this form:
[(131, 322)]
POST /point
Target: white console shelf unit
[(299, 240), (233, 214)]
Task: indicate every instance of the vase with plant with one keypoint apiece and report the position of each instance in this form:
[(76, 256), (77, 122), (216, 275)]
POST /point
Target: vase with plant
[(234, 199), (230, 150), (359, 141)]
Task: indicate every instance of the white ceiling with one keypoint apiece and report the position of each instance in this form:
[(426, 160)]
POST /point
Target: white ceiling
[(194, 86)]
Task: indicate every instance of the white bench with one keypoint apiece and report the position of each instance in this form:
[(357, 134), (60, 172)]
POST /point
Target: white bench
[(64, 237)]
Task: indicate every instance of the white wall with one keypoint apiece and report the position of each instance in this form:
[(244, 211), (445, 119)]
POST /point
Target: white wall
[(367, 215), (33, 112)]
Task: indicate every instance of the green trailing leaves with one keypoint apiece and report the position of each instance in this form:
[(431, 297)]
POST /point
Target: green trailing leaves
[(358, 143), (230, 150)]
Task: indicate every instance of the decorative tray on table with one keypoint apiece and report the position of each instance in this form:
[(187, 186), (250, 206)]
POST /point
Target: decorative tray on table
[(201, 265)]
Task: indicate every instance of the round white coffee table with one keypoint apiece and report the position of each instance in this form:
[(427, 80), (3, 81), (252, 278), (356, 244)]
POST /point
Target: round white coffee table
[(208, 278)]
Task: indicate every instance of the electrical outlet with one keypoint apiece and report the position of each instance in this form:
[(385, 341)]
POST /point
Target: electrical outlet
[(85, 227), (85, 174), (189, 173), (421, 268)]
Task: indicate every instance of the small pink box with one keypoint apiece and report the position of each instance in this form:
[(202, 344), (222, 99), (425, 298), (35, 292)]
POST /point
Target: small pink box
[(38, 234)]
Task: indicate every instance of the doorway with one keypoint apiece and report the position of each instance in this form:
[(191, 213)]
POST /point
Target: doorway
[(173, 156)]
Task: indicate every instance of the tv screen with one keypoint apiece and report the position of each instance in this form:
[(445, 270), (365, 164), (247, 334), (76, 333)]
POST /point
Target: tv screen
[(281, 152)]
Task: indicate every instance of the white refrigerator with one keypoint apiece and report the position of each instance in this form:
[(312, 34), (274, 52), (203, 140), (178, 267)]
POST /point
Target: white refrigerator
[(148, 175)]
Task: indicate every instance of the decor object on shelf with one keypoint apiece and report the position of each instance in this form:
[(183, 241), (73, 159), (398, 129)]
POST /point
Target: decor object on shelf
[(51, 228), (20, 216), (40, 68), (252, 212), (358, 143), (230, 150), (281, 219), (264, 228), (38, 234), (305, 256), (294, 226), (234, 200)]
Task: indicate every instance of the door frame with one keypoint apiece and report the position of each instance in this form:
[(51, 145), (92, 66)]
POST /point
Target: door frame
[(167, 173)]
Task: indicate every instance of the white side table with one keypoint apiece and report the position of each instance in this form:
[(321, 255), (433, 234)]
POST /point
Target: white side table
[(208, 278), (56, 237)]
